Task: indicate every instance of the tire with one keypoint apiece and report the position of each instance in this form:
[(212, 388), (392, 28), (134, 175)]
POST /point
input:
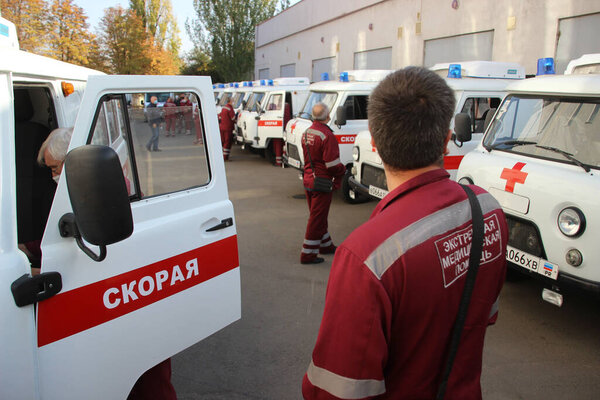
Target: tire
[(269, 154), (349, 195)]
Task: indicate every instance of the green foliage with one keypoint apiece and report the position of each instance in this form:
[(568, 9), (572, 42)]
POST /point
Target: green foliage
[(226, 29), (197, 62)]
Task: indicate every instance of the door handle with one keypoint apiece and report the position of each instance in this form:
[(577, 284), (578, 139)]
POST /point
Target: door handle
[(225, 223)]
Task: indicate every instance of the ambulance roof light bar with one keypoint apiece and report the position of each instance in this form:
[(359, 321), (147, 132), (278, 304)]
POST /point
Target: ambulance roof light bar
[(455, 71), (292, 81), (344, 77), (325, 76), (480, 69), (247, 84), (8, 34), (221, 86), (545, 66)]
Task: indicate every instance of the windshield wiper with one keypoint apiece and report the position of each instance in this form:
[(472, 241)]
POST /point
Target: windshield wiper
[(567, 155), (512, 143)]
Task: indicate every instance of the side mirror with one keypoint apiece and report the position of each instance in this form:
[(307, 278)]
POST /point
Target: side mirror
[(488, 118), (142, 102), (340, 116), (98, 193), (257, 118), (462, 127)]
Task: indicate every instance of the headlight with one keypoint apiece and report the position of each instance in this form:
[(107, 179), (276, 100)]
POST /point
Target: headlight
[(571, 222), (465, 181), (355, 153)]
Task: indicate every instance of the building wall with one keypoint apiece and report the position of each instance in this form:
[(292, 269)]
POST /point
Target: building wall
[(523, 30)]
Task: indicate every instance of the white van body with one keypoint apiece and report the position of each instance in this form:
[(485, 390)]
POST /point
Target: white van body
[(535, 181), (480, 81), (351, 94), (586, 64), (174, 281), (263, 120)]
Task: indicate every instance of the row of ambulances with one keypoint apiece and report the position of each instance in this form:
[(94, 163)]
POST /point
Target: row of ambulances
[(347, 101), (540, 158), (131, 272), (478, 87)]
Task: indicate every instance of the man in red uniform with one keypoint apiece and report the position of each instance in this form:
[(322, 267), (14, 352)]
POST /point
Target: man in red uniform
[(170, 109), (320, 141), (396, 281), (226, 125)]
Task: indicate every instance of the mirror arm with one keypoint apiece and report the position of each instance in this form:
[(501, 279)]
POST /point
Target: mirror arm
[(67, 226), (456, 142)]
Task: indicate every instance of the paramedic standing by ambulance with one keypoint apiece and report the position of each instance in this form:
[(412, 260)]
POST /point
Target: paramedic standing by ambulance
[(397, 280), (320, 142), (226, 125)]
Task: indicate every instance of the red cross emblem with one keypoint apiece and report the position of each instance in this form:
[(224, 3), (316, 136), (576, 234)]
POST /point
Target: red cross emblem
[(513, 176), (293, 127)]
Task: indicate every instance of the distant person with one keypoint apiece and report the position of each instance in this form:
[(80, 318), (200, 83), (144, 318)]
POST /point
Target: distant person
[(397, 280), (170, 109), (226, 125), (321, 151), (154, 120), (185, 105)]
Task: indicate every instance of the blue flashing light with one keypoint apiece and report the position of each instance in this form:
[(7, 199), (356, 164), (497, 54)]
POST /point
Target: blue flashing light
[(455, 71), (236, 85), (214, 86), (344, 77), (263, 82), (270, 82), (221, 86), (545, 66), (247, 84), (324, 76)]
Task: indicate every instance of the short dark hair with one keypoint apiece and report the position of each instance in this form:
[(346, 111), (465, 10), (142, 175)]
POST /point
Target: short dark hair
[(409, 116)]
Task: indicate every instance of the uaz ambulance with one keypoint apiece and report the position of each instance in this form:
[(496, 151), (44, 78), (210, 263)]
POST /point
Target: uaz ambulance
[(347, 102), (478, 86), (138, 248), (261, 126), (540, 158)]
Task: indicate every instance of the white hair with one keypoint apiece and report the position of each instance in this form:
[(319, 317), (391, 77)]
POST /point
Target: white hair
[(320, 116), (57, 144)]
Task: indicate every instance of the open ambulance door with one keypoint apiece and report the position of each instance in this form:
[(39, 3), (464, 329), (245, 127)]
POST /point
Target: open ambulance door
[(270, 124), (174, 281)]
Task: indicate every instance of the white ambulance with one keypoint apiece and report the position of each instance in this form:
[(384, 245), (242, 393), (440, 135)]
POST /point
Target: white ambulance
[(540, 158), (136, 265), (248, 112), (347, 102), (478, 86), (267, 123), (241, 95)]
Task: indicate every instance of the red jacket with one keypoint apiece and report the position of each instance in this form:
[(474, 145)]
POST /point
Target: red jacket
[(226, 118), (393, 295), (170, 109), (324, 153)]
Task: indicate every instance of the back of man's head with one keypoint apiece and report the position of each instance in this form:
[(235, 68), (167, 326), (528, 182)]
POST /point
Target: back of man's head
[(409, 116), (57, 144), (320, 112)]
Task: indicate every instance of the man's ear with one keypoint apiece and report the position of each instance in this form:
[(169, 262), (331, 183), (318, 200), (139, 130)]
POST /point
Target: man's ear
[(446, 141)]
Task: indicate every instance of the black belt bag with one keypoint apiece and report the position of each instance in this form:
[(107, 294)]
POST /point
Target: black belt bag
[(319, 184)]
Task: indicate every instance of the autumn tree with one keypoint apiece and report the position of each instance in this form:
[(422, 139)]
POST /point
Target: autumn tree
[(30, 18), (68, 38), (226, 28), (197, 62)]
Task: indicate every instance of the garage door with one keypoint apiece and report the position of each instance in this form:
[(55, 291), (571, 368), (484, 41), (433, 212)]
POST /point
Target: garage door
[(469, 47), (263, 73), (321, 66), (287, 71), (577, 36), (373, 59)]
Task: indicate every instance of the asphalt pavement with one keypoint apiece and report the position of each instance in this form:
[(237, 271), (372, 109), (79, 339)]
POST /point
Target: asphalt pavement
[(535, 350)]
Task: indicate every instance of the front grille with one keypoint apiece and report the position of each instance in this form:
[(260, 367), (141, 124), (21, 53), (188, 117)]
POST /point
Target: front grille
[(525, 236), (292, 152), (371, 175)]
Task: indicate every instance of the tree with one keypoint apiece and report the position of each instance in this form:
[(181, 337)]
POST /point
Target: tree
[(158, 20), (197, 62), (68, 38), (225, 28), (29, 17)]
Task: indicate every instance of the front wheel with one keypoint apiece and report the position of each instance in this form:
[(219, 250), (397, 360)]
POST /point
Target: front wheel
[(351, 196)]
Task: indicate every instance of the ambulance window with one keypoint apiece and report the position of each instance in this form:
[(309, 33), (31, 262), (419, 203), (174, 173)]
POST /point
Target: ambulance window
[(356, 107), (274, 102), (477, 108)]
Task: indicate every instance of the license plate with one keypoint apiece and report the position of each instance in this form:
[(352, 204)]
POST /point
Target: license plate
[(294, 163), (531, 262), (377, 192)]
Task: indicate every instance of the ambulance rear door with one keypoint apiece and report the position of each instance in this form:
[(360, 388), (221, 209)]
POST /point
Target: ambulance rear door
[(173, 282), (270, 124)]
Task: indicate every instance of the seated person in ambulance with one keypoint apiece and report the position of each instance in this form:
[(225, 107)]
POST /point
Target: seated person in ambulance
[(52, 154)]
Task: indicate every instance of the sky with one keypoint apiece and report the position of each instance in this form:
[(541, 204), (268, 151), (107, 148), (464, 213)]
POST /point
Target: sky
[(182, 9)]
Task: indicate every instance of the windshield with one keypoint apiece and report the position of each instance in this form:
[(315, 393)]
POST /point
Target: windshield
[(225, 98), (254, 99), (560, 129), (237, 99), (161, 97), (313, 98)]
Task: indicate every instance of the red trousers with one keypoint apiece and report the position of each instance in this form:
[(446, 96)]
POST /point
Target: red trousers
[(170, 124), (317, 239), (154, 384), (278, 150), (226, 141)]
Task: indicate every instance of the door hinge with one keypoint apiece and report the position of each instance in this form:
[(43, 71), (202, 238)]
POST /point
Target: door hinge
[(33, 289)]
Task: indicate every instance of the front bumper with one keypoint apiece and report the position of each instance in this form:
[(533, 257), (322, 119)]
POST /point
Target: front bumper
[(359, 187)]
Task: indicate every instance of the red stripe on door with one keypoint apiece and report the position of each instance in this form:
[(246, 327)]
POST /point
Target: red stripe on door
[(345, 139), (88, 306), (270, 123), (452, 162)]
